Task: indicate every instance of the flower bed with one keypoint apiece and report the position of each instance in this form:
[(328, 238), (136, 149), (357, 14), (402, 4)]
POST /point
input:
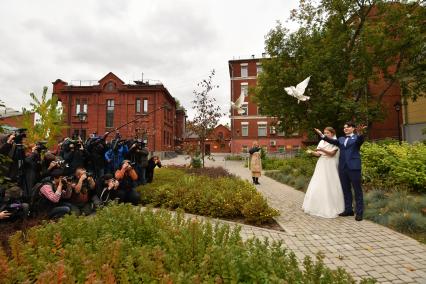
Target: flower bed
[(222, 197), (122, 245)]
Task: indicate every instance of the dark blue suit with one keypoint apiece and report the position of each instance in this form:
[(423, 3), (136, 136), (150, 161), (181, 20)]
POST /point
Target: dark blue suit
[(350, 170)]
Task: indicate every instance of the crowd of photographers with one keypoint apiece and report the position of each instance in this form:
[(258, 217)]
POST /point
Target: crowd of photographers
[(78, 177)]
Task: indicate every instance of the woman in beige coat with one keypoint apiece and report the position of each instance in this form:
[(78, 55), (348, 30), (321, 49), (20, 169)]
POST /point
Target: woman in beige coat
[(255, 162)]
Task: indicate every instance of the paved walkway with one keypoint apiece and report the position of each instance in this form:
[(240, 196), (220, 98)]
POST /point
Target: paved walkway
[(364, 249)]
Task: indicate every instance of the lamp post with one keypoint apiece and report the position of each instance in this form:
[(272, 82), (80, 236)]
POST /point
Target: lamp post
[(397, 107), (82, 117)]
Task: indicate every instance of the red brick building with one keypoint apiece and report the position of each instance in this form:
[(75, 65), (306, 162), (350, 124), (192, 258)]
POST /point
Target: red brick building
[(110, 103), (251, 125), (219, 141)]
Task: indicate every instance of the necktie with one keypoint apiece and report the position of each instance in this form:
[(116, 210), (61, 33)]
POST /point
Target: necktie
[(346, 140)]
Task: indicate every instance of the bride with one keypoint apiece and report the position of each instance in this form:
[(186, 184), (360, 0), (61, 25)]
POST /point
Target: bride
[(324, 197)]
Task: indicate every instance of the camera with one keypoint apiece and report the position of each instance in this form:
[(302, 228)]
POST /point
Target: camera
[(62, 164), (13, 208), (20, 134), (89, 174)]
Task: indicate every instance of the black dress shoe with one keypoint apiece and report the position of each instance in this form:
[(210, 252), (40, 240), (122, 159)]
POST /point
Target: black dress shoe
[(358, 218), (344, 214)]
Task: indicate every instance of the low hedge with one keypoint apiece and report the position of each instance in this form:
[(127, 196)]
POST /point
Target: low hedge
[(223, 197), (122, 245)]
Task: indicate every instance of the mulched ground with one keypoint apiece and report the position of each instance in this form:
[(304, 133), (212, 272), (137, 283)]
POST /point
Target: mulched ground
[(7, 229)]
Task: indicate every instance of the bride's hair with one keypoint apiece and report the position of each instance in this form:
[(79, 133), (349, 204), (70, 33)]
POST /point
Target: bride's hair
[(331, 129)]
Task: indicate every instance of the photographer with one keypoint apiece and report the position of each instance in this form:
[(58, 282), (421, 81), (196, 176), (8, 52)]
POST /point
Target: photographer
[(51, 196), (115, 155), (83, 187), (96, 148), (106, 190), (127, 176), (138, 154), (152, 164), (6, 143), (11, 206), (32, 167), (48, 164), (74, 155)]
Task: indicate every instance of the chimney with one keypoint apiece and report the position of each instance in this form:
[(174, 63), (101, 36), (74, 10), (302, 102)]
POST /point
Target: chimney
[(252, 56), (263, 54)]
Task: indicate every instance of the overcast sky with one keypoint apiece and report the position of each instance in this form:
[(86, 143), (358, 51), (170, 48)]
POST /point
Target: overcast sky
[(175, 42)]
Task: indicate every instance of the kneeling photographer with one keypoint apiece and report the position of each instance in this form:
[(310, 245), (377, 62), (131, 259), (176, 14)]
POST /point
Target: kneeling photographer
[(106, 190), (127, 177), (11, 206), (83, 186), (51, 196)]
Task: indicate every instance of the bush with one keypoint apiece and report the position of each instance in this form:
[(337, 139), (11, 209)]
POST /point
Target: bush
[(213, 172), (223, 197), (122, 245), (389, 164), (235, 158), (196, 162)]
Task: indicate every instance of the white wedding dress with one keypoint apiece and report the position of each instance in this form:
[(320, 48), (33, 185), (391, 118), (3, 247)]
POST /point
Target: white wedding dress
[(324, 196)]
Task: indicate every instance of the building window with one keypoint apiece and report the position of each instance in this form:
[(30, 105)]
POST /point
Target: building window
[(138, 105), (244, 129), (244, 149), (220, 135), (244, 70), (272, 130), (261, 129), (258, 68), (110, 113), (84, 103), (244, 107), (77, 106), (244, 89), (145, 106)]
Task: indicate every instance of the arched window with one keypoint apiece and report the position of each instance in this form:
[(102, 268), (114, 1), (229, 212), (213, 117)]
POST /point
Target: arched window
[(110, 86)]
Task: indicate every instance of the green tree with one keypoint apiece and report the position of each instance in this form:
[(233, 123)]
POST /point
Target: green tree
[(50, 124), (207, 112), (346, 46)]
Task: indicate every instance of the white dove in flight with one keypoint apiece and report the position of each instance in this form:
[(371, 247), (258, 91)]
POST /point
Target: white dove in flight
[(238, 104), (299, 90)]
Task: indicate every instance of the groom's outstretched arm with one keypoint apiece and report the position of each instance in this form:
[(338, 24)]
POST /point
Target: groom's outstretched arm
[(325, 138), (360, 131)]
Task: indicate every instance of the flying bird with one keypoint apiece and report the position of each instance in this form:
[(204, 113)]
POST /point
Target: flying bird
[(238, 104), (299, 90)]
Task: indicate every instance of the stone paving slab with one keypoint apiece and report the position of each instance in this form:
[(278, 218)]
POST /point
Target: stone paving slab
[(364, 249)]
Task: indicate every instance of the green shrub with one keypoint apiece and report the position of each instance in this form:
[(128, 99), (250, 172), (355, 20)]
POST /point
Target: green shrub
[(122, 245), (196, 162), (213, 172), (235, 158), (301, 183), (390, 164), (223, 197)]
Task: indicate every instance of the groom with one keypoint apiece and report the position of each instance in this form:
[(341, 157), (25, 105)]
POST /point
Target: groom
[(349, 167)]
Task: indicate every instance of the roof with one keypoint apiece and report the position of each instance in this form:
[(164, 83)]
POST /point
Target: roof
[(8, 112)]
